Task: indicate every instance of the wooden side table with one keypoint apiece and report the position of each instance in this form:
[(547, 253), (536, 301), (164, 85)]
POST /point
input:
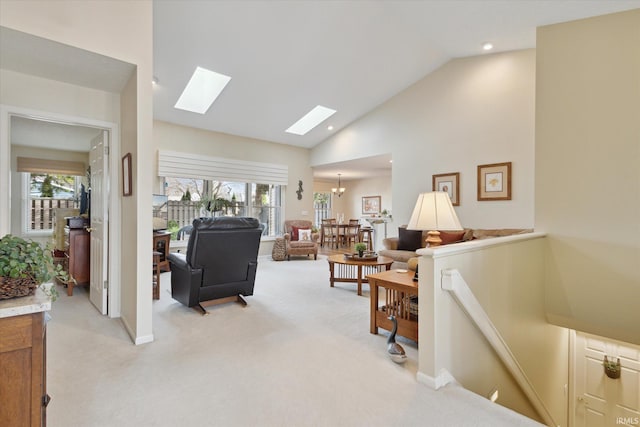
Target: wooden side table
[(401, 294), (351, 271)]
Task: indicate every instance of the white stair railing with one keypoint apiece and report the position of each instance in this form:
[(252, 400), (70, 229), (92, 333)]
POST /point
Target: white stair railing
[(453, 282)]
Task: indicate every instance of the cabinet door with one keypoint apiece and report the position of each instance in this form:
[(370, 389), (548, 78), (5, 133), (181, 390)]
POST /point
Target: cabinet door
[(22, 377)]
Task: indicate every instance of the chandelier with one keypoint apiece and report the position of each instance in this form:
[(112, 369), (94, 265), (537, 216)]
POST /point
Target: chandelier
[(339, 190)]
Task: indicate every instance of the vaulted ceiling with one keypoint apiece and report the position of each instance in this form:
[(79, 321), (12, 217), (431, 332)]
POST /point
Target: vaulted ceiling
[(286, 57)]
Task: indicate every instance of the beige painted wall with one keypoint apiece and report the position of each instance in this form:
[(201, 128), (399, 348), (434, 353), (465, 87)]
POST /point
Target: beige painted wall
[(120, 30), (507, 278), (350, 204), (588, 172), (168, 136), (471, 111)]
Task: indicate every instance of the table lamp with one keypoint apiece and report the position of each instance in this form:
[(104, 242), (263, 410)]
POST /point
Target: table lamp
[(434, 212)]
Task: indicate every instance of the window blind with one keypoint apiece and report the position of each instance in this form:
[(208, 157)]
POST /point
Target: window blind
[(52, 167), (187, 165)]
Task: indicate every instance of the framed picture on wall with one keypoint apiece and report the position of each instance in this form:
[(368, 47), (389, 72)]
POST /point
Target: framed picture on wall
[(494, 181), (449, 183), (371, 205)]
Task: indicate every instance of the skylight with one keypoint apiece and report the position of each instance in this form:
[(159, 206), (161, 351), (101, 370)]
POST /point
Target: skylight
[(203, 88), (310, 120)]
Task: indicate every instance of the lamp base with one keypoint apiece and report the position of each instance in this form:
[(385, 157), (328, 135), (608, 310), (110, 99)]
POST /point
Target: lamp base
[(433, 238)]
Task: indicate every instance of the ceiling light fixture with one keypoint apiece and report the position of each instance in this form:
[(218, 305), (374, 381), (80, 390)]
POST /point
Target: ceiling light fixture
[(203, 88), (339, 190), (310, 120), (329, 127), (154, 80), (487, 46)]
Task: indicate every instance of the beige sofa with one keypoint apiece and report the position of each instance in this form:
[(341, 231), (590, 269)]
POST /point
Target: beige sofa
[(402, 258)]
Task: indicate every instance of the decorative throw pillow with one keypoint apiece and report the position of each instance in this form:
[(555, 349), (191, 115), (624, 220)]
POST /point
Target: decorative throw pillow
[(451, 236), (409, 240), (294, 232), (304, 234)]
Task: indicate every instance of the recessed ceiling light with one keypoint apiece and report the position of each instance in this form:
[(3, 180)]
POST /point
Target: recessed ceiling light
[(203, 88), (329, 127), (310, 120), (154, 81), (487, 46)]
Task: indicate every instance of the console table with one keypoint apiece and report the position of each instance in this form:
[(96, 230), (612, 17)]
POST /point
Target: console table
[(401, 294)]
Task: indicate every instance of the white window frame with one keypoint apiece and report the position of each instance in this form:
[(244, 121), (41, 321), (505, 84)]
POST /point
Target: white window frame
[(25, 206)]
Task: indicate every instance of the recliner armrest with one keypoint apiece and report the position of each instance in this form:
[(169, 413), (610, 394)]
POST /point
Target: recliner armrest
[(185, 281)]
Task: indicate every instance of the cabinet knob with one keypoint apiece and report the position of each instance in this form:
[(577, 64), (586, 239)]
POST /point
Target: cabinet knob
[(45, 400), (89, 229)]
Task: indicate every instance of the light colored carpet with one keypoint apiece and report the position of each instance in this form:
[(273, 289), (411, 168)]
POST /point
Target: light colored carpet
[(299, 355)]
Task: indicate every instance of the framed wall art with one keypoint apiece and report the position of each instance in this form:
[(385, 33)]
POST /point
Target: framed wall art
[(371, 205), (126, 175), (449, 183), (494, 181)]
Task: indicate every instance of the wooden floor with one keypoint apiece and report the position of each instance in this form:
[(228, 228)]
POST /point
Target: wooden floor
[(331, 250)]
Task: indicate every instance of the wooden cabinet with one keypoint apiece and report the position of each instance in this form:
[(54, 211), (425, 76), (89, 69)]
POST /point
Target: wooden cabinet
[(161, 242), (77, 244), (23, 396)]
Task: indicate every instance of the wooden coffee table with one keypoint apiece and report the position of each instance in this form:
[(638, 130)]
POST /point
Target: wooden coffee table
[(351, 270)]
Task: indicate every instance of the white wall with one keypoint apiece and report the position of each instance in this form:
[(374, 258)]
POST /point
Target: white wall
[(469, 112), (124, 31), (23, 90), (588, 172)]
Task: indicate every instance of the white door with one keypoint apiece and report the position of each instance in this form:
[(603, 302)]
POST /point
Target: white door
[(600, 400), (98, 158)]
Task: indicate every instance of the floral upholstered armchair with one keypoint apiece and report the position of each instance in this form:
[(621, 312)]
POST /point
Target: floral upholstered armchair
[(300, 239)]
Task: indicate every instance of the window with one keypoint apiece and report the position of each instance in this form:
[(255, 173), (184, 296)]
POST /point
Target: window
[(321, 207), (44, 193), (190, 198)]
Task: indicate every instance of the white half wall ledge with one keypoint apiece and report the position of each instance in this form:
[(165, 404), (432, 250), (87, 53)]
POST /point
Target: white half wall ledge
[(476, 245)]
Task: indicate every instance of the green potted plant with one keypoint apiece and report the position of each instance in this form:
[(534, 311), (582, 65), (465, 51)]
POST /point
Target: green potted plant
[(25, 265), (360, 248)]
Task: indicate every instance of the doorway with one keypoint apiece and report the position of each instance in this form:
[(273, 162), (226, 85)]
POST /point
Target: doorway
[(26, 127), (601, 399)]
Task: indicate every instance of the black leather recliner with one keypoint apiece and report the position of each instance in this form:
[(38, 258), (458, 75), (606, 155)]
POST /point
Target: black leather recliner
[(221, 261)]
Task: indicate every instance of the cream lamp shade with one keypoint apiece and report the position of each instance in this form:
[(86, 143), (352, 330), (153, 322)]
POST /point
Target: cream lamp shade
[(434, 212)]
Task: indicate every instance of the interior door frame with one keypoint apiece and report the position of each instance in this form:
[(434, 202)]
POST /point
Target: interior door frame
[(114, 224)]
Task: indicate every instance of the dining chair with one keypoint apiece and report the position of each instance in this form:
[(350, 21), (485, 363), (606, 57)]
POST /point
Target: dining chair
[(353, 231), (329, 232)]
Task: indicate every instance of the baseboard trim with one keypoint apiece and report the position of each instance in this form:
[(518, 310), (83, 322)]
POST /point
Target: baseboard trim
[(136, 340), (443, 378)]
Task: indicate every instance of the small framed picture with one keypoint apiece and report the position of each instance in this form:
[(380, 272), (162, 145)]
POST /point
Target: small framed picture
[(494, 181), (371, 205), (449, 183), (126, 175)]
